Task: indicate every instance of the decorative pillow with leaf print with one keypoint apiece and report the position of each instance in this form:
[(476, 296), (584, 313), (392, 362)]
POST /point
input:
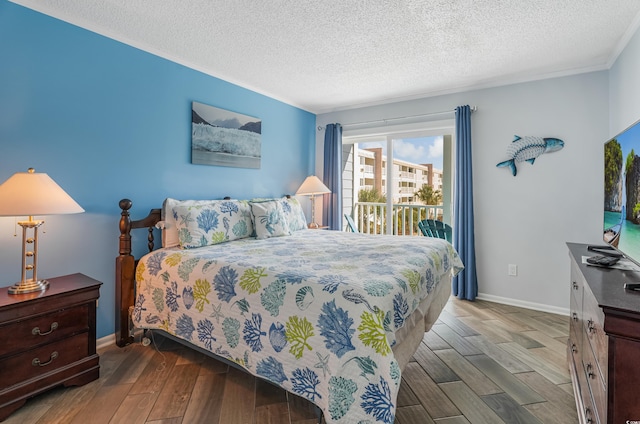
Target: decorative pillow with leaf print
[(269, 219), (294, 214), (169, 218), (213, 222)]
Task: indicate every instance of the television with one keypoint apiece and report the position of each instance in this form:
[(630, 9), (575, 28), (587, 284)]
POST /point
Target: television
[(621, 224)]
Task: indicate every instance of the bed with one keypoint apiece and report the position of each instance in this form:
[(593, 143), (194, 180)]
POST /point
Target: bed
[(330, 316)]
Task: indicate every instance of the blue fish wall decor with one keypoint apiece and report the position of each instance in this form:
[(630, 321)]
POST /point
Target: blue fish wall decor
[(527, 149)]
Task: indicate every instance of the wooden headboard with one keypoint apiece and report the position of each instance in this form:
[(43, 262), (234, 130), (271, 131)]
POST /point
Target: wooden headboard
[(126, 267)]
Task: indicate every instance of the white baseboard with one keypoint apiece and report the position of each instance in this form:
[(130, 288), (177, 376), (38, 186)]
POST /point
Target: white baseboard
[(110, 339), (524, 304), (106, 341)]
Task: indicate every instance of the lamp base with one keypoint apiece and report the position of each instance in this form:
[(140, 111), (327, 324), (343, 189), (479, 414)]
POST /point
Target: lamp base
[(314, 225), (29, 286)]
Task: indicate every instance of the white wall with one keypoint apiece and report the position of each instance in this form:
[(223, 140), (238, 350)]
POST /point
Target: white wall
[(624, 88), (525, 220)]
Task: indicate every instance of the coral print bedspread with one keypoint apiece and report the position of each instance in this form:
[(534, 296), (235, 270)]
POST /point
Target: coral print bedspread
[(315, 312)]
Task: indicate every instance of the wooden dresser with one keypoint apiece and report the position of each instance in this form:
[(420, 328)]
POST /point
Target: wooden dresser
[(604, 342), (47, 339)]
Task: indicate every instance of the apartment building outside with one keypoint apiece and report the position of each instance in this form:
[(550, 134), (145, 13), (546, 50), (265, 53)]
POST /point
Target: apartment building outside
[(366, 169), (370, 172)]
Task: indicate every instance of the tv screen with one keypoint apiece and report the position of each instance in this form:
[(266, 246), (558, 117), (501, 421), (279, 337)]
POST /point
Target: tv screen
[(622, 192)]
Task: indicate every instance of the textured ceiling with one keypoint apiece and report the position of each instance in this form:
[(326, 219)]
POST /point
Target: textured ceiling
[(324, 55)]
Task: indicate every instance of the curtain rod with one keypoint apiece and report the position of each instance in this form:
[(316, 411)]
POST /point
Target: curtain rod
[(384, 121)]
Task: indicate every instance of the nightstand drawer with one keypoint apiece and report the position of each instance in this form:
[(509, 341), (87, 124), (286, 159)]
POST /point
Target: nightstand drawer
[(32, 332), (34, 363)]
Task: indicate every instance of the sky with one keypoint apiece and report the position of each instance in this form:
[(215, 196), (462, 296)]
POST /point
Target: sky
[(629, 140), (416, 150)]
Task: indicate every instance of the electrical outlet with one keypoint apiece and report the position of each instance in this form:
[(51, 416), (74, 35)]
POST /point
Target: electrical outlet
[(513, 270)]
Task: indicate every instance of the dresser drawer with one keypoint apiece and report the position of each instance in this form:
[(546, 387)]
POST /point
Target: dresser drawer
[(575, 347), (595, 383), (589, 411), (593, 319), (575, 305), (576, 328), (577, 287), (33, 364), (28, 333)]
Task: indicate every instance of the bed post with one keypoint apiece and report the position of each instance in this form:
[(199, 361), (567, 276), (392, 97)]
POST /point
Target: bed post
[(125, 278)]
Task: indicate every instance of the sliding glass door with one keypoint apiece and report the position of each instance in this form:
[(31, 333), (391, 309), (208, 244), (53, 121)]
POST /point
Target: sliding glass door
[(392, 181)]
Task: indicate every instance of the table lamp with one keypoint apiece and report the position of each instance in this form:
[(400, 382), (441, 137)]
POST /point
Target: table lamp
[(310, 187), (28, 194)]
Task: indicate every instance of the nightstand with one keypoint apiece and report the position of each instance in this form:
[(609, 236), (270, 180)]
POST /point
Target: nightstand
[(47, 339)]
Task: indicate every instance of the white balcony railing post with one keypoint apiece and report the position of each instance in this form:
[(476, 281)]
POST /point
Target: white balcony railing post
[(371, 217)]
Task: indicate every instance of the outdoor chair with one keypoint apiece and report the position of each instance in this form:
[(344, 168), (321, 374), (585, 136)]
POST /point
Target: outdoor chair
[(350, 224), (435, 228)]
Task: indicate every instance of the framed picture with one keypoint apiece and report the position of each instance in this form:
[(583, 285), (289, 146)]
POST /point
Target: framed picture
[(224, 138)]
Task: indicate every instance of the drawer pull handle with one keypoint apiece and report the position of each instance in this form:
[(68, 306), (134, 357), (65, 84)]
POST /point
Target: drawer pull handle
[(590, 373), (575, 286), (36, 330), (36, 362), (574, 348), (590, 326), (574, 316), (587, 415)]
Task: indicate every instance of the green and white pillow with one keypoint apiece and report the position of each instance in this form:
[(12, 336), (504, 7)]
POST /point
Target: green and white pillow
[(213, 222), (169, 218), (269, 219)]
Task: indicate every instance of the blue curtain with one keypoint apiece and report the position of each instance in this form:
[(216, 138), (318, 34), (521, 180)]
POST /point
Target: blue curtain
[(465, 284), (332, 177)]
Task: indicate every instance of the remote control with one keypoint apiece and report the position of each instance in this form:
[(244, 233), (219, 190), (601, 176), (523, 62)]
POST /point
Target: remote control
[(605, 250), (602, 260)]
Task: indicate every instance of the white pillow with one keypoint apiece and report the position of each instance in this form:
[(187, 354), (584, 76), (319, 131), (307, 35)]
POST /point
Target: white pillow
[(213, 222), (269, 219)]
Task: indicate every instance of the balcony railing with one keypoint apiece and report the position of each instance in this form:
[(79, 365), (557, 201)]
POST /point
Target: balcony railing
[(410, 190), (371, 218)]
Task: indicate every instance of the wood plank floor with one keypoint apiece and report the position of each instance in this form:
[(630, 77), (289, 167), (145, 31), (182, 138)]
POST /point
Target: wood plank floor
[(481, 363)]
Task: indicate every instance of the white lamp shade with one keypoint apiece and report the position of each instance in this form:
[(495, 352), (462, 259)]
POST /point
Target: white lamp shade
[(30, 193), (312, 185)]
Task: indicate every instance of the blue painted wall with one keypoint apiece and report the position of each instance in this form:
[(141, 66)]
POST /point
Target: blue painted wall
[(108, 121)]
